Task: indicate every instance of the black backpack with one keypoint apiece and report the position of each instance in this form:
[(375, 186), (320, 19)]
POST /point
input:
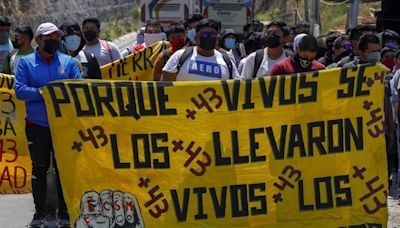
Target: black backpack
[(260, 56), (188, 52)]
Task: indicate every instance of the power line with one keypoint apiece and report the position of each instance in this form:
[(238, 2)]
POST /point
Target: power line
[(334, 4)]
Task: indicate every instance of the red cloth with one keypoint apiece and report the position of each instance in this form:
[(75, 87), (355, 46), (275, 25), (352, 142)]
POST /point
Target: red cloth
[(48, 59), (288, 66)]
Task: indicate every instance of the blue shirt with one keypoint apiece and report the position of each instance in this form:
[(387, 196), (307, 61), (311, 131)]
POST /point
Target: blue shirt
[(33, 73)]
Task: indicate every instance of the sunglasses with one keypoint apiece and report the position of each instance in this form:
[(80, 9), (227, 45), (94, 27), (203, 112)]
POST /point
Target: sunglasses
[(347, 46), (208, 34)]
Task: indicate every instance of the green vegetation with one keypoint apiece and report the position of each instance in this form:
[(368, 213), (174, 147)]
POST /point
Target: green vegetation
[(115, 28), (333, 17)]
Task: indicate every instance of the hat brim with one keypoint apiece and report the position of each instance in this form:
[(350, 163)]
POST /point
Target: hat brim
[(60, 33)]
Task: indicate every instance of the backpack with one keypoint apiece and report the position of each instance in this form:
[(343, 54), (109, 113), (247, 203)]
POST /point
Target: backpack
[(188, 52), (259, 58), (105, 45)]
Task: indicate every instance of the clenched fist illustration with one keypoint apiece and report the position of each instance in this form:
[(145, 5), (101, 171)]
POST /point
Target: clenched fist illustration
[(109, 209)]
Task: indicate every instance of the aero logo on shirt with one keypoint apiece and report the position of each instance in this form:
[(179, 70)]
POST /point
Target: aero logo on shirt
[(205, 68)]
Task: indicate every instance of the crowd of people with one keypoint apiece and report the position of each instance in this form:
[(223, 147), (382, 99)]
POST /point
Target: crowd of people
[(199, 50)]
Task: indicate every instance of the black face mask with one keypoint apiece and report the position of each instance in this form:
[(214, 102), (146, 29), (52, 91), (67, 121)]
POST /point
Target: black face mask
[(51, 46), (90, 35), (272, 41), (207, 43), (303, 62), (16, 44)]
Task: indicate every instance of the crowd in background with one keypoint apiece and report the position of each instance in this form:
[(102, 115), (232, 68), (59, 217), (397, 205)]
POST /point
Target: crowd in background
[(199, 50)]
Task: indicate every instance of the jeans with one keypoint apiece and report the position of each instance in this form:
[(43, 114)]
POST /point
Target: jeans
[(40, 147)]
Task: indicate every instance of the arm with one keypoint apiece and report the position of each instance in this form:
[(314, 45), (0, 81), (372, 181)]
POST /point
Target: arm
[(116, 54), (6, 65), (158, 66), (23, 91), (75, 73), (248, 67), (275, 70), (170, 70), (94, 69)]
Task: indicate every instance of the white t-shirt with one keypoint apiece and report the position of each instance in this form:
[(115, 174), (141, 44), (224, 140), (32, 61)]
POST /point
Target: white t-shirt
[(241, 65), (266, 65), (4, 50), (103, 55), (200, 68)]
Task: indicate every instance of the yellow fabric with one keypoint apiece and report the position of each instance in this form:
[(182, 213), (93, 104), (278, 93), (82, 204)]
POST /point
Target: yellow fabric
[(15, 163), (135, 67), (110, 136)]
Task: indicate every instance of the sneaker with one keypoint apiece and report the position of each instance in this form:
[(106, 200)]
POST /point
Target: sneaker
[(63, 221), (38, 221)]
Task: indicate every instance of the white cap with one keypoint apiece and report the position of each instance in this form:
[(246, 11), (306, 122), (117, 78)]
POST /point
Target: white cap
[(297, 40), (47, 28)]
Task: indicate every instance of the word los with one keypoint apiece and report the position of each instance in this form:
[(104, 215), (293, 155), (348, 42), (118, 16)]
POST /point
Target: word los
[(98, 98)]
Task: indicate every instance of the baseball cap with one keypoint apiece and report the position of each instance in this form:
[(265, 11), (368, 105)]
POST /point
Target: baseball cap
[(297, 40), (228, 31), (70, 28), (47, 28)]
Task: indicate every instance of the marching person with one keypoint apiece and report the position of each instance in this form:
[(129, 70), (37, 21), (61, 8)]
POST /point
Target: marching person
[(105, 51), (34, 71), (22, 42), (201, 62), (74, 42), (302, 61)]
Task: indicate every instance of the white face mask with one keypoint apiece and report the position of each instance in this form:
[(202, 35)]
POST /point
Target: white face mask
[(152, 38), (72, 42)]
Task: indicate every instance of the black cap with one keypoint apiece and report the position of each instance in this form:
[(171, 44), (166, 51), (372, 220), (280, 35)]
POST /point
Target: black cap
[(70, 28)]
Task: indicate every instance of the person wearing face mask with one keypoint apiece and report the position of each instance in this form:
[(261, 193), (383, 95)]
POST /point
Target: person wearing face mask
[(328, 57), (176, 37), (388, 58), (153, 33), (105, 51), (190, 27), (302, 61), (35, 71), (139, 40), (22, 44), (201, 62), (355, 34), (369, 51), (74, 43), (341, 49), (229, 43), (261, 61), (6, 46)]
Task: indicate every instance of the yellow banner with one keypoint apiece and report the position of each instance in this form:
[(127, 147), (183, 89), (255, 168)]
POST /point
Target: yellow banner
[(15, 162), (285, 151), (135, 67)]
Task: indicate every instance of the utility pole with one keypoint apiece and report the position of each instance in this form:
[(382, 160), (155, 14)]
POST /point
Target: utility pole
[(306, 18), (355, 8), (315, 18)]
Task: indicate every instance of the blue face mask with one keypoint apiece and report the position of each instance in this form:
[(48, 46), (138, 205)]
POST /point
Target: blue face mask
[(391, 45), (191, 33), (140, 38), (230, 43), (72, 42)]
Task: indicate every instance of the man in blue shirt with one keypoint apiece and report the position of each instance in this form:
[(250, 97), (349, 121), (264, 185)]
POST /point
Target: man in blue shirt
[(34, 71)]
